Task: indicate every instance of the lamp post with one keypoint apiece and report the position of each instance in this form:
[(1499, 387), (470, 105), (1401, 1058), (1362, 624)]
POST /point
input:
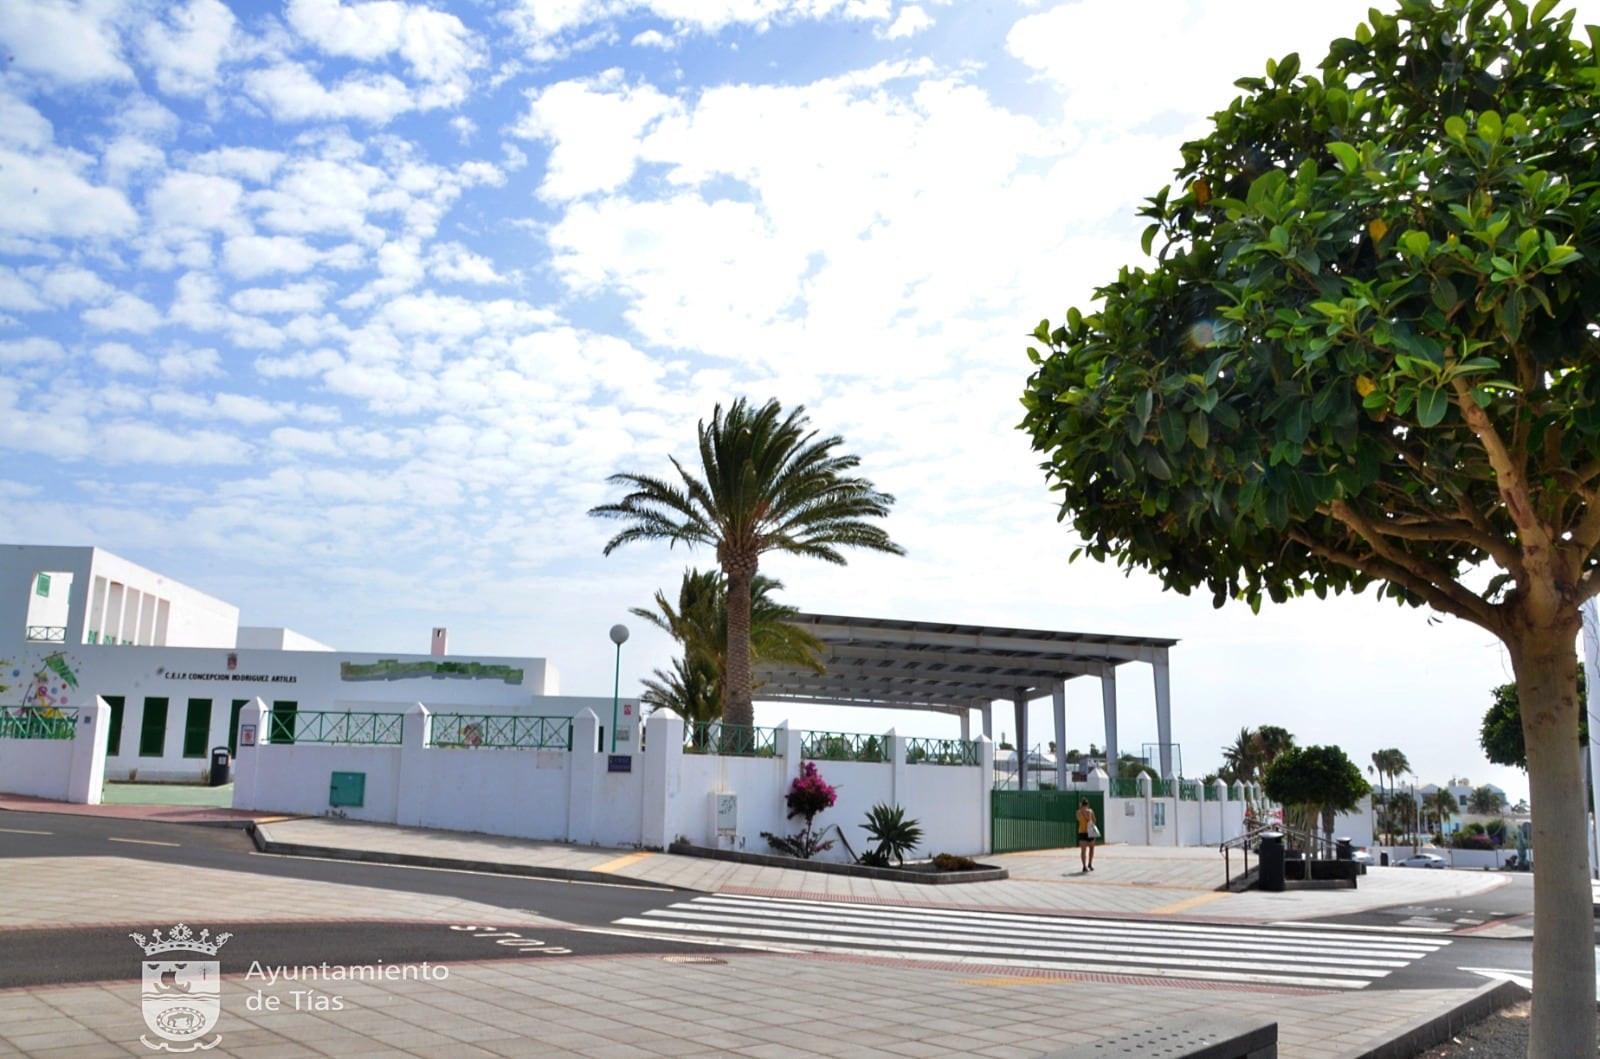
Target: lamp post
[(619, 636)]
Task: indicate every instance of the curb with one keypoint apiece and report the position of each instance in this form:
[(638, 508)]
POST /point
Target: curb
[(265, 844), (1426, 1033), (859, 871)]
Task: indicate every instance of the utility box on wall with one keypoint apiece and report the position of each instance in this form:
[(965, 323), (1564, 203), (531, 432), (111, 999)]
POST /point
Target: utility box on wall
[(348, 788), (725, 818)]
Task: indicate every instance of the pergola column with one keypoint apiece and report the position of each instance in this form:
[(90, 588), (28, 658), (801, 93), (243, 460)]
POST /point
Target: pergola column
[(1058, 704), (1164, 712), (1019, 700), (1108, 699)]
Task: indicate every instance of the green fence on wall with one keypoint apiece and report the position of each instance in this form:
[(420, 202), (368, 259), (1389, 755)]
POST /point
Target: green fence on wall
[(1026, 820)]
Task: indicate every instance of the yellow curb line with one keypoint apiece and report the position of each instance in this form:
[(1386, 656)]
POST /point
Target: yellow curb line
[(1184, 906), (622, 862)]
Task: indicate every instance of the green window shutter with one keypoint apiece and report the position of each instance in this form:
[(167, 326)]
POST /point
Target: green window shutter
[(41, 587), (114, 729), (153, 728), (197, 728)]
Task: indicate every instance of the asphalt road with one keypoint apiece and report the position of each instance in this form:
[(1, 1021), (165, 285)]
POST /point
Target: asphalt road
[(230, 849), (48, 956)]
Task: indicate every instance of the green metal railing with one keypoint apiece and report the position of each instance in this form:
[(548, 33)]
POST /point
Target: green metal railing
[(38, 722), (1211, 793), (1125, 787), (501, 731), (843, 746), (941, 752), (303, 726), (1189, 791), (733, 740), (1163, 788)]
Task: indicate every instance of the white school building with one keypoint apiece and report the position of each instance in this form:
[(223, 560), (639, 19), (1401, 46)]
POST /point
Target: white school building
[(111, 671)]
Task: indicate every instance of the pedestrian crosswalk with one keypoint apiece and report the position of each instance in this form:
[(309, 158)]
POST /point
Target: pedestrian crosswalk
[(1261, 955)]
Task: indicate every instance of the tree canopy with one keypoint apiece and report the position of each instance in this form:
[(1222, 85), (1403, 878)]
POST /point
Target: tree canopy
[(1501, 732), (1315, 778), (1366, 353)]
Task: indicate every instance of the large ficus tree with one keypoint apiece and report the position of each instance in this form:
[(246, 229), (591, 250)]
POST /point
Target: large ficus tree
[(1366, 352)]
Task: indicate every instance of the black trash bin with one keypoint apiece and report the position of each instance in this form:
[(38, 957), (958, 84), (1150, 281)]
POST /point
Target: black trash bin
[(1270, 877), (219, 766), (1343, 849), (1383, 858)]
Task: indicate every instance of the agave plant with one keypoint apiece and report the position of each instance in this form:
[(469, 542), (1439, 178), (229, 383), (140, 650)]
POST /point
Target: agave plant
[(895, 835)]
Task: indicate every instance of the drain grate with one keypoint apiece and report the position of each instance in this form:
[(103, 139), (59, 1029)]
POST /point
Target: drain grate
[(691, 959)]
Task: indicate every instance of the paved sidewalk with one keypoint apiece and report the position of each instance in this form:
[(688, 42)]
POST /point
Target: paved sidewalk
[(747, 1004)]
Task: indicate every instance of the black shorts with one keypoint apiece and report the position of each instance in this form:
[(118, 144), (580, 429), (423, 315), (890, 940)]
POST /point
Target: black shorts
[(1084, 836)]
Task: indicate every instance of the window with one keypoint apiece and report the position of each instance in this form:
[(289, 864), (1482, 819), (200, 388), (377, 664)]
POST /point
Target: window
[(233, 725), (1158, 814), (41, 586), (197, 728), (153, 728), (281, 724), (114, 729)]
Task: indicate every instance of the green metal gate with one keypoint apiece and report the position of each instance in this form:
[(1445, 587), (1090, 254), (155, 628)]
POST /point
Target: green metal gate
[(1026, 820)]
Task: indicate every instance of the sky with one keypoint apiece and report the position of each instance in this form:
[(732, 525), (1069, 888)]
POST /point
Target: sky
[(344, 312)]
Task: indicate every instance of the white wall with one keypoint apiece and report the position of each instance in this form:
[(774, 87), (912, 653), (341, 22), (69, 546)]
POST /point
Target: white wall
[(275, 638), (63, 770)]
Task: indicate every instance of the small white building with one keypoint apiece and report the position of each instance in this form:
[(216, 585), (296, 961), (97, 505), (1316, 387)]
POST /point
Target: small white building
[(177, 668)]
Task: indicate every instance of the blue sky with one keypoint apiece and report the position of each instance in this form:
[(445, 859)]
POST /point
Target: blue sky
[(344, 312)]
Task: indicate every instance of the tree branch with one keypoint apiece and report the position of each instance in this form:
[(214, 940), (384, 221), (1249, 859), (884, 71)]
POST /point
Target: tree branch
[(1421, 577), (1510, 475)]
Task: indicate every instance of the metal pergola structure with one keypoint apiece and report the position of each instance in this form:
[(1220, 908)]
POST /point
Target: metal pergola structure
[(954, 669)]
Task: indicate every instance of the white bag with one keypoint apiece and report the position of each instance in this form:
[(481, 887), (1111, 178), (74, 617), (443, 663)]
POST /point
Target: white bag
[(1094, 830)]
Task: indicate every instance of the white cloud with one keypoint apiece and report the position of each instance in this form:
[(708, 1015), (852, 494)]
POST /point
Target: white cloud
[(292, 93), (29, 350), (908, 23), (181, 365), (122, 358), (22, 126), (291, 298), (652, 38), (73, 42), (141, 442), (594, 127), (255, 164), (125, 312), (188, 49), (186, 200), (67, 284), (453, 261), (254, 256), (45, 196), (17, 293)]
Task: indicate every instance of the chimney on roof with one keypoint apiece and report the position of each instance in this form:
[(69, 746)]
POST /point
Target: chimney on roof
[(441, 639)]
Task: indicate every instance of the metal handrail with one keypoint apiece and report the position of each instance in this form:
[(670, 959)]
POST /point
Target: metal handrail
[(38, 722), (501, 731)]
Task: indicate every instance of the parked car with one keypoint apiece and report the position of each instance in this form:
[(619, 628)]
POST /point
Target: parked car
[(1421, 860), (1362, 856)]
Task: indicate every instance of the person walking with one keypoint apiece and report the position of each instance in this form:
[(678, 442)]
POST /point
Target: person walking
[(1088, 831)]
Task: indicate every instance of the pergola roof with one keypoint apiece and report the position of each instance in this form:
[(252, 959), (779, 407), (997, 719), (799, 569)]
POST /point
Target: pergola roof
[(926, 665)]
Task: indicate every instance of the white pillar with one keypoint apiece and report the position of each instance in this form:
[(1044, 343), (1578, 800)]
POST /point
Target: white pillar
[(663, 767), (1164, 712), (583, 780), (986, 792), (1108, 699), (966, 725), (1058, 706), (988, 719), (247, 762), (416, 744), (86, 776)]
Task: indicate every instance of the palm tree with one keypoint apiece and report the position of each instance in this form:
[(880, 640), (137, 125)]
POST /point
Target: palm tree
[(1271, 741), (769, 484), (1239, 758), (1390, 763), (1442, 804), (700, 624)]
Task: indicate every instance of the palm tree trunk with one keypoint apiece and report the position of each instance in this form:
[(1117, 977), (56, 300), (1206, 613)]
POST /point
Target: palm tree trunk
[(737, 705), (1545, 665)]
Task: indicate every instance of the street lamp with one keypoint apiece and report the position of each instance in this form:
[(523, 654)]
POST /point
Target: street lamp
[(619, 636)]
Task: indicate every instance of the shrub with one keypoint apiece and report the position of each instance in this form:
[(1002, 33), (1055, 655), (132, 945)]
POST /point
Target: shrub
[(951, 862), (808, 795), (896, 836)]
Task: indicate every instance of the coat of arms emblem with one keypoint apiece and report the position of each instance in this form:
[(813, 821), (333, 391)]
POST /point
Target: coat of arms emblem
[(182, 998)]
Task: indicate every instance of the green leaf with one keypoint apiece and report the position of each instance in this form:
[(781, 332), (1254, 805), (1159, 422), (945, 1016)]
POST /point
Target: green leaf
[(1348, 157), (1147, 240), (1199, 430), (1431, 407), (1156, 465), (1455, 128), (1489, 126)]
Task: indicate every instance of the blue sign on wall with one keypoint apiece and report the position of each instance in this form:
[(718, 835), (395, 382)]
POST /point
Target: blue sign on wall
[(619, 763)]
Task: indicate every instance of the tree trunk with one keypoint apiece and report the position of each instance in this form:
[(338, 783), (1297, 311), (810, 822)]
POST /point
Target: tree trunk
[(737, 707), (1545, 664)]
